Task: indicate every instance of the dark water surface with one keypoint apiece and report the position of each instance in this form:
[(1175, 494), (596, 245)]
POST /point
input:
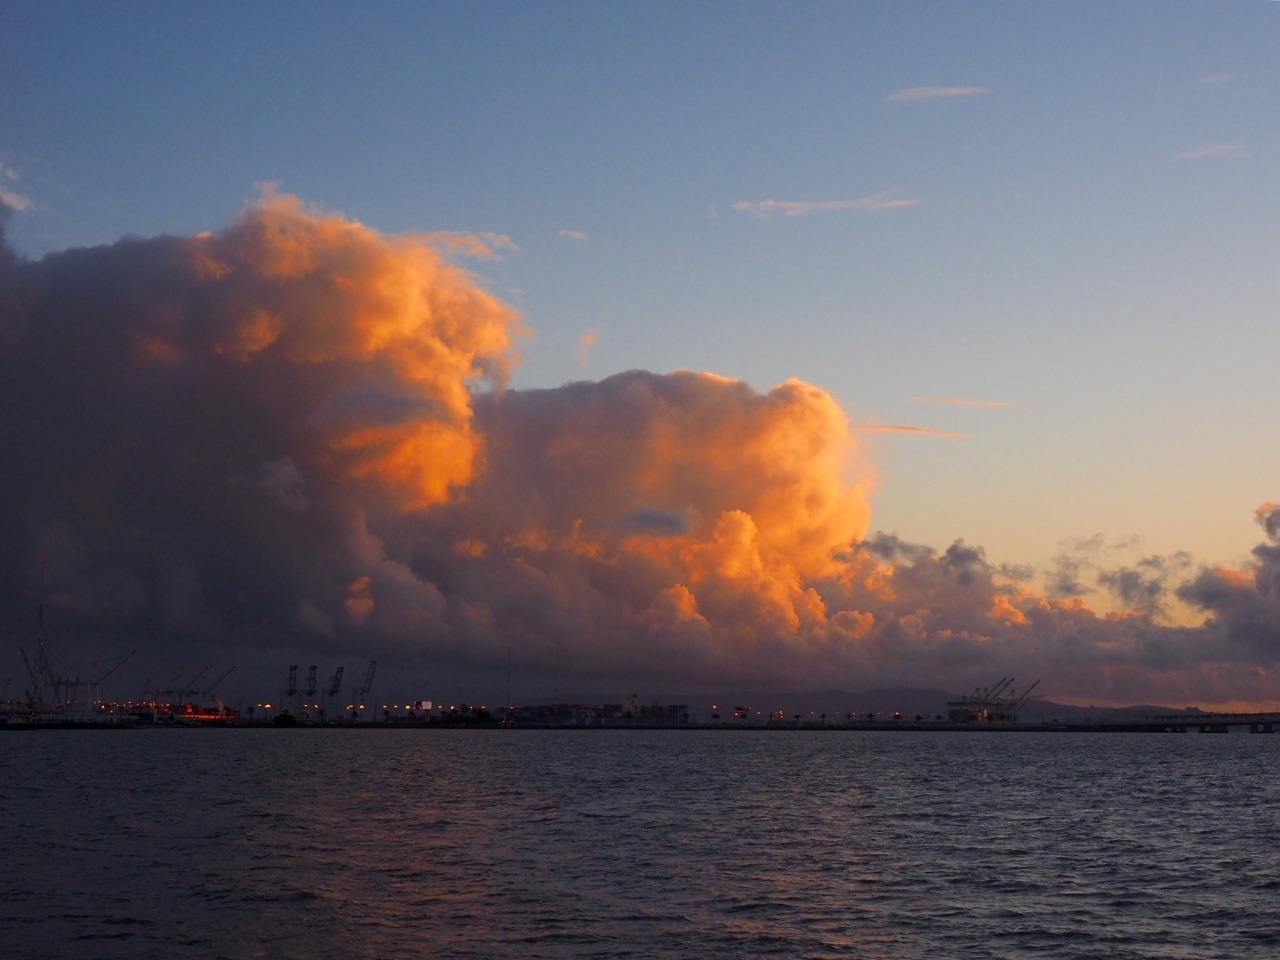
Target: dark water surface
[(665, 844)]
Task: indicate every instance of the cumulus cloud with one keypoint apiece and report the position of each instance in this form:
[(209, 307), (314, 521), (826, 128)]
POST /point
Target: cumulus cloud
[(225, 419), (297, 434), (1244, 605), (914, 94), (650, 520), (1144, 587)]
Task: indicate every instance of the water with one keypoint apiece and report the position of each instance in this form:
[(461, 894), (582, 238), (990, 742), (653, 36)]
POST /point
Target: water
[(350, 844)]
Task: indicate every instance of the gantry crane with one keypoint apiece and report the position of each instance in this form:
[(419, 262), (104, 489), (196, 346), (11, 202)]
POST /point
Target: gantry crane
[(331, 693), (96, 678), (357, 696), (222, 706), (291, 688), (311, 691)]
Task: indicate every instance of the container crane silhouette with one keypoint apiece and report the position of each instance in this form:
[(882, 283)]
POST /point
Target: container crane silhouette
[(357, 696), (311, 691), (96, 678), (331, 692), (291, 687)]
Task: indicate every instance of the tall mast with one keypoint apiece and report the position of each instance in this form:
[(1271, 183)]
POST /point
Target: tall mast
[(38, 670)]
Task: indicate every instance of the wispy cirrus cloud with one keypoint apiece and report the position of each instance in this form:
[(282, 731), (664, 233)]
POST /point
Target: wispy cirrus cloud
[(573, 235), (910, 430), (1211, 150), (884, 200), (915, 94), (1214, 80), (962, 402)]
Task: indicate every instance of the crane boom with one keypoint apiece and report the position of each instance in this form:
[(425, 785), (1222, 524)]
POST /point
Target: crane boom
[(1026, 693), (222, 676), (1000, 687), (190, 686), (368, 678), (95, 678)]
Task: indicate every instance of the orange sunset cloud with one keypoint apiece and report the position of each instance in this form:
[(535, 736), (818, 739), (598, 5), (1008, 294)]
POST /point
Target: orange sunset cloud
[(299, 432)]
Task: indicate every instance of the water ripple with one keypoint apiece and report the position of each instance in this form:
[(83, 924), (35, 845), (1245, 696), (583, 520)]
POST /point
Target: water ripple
[(657, 844)]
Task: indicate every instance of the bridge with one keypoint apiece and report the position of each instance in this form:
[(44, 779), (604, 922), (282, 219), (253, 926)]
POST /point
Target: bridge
[(1222, 722), (1182, 723)]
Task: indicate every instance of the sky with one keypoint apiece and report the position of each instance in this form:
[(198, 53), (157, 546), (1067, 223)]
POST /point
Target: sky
[(537, 346)]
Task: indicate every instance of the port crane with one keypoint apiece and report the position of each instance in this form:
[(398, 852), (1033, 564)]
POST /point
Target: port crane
[(291, 687), (989, 694), (1017, 700), (989, 703), (222, 706), (311, 691), (222, 676), (358, 695), (96, 678), (61, 690), (331, 692), (37, 671), (185, 690), (181, 700)]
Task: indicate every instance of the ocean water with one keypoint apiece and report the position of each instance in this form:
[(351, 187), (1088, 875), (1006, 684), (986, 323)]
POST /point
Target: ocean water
[(263, 843)]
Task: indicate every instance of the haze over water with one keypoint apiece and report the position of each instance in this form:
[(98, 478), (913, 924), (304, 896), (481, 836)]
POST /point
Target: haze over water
[(487, 844)]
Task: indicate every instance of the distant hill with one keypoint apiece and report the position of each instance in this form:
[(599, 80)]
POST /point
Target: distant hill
[(838, 704), (1040, 710)]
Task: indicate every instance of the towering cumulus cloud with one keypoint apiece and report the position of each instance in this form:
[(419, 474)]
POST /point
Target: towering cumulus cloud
[(295, 432), (296, 436), (203, 434), (671, 525)]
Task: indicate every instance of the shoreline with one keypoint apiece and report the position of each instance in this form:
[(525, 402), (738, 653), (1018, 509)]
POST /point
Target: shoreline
[(1219, 724)]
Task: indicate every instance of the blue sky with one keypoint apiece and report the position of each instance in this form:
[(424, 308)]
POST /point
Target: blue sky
[(1072, 219)]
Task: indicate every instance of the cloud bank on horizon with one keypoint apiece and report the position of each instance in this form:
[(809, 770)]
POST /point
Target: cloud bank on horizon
[(296, 433)]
